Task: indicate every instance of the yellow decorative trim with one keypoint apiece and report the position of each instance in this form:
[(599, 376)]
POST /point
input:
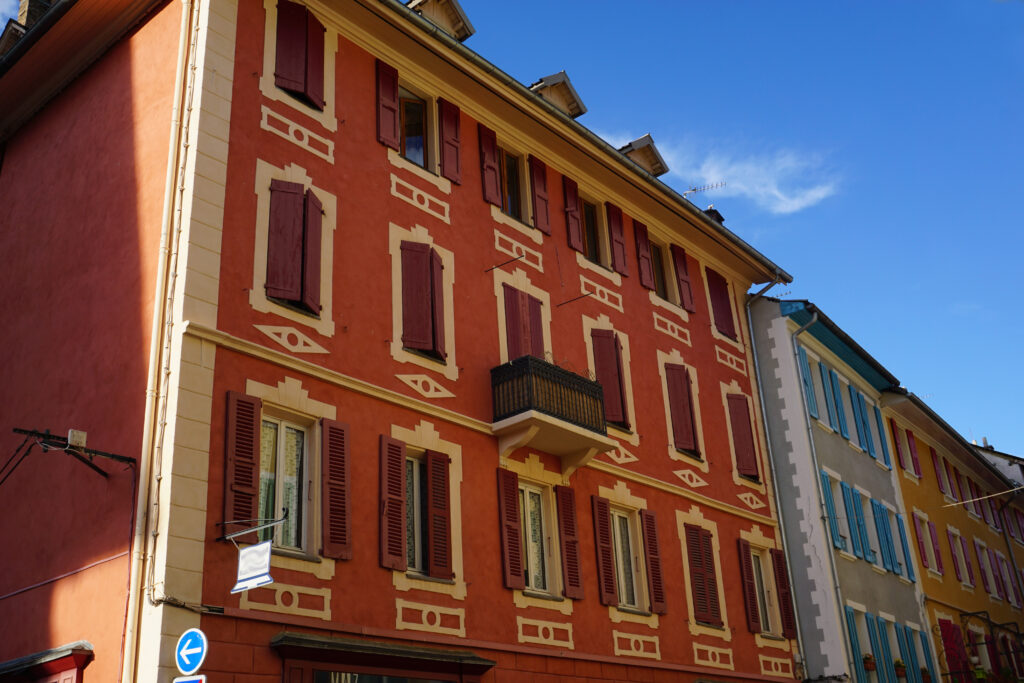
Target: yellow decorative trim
[(418, 616), (323, 570), (635, 645), (287, 599), (503, 218), (585, 263), (602, 322), (668, 306), (774, 666), (398, 161), (695, 517), (776, 643), (716, 657), (296, 134), (523, 601), (671, 328), (621, 495), (601, 293), (618, 616), (289, 394), (620, 456), (751, 501), (674, 357), (291, 338), (506, 245), (544, 632), (690, 478), (731, 361), (423, 201), (426, 386), (519, 279), (533, 468)]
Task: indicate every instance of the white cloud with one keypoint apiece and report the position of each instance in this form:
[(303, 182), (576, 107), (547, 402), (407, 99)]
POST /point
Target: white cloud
[(8, 10)]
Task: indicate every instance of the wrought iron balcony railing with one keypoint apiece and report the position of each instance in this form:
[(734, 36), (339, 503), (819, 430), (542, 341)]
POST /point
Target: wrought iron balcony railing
[(529, 383)]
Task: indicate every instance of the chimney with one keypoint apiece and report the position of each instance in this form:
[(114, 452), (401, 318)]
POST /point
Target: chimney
[(713, 213)]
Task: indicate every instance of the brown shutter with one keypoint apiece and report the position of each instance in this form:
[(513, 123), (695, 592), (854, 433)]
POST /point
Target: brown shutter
[(683, 278), (437, 303), (607, 367), (284, 241), (539, 187), (573, 222), (652, 554), (710, 577), (490, 174), (618, 238), (389, 119), (335, 502), (698, 581), (314, 214), (569, 541), (749, 587), (643, 255), (392, 504), (511, 529), (514, 322), (417, 318), (314, 89), (290, 66), (721, 308), (680, 401), (604, 543), (785, 594), (242, 461), (536, 318), (742, 435), (439, 517), (450, 128)]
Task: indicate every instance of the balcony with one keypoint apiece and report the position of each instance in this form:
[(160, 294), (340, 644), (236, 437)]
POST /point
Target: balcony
[(550, 409)]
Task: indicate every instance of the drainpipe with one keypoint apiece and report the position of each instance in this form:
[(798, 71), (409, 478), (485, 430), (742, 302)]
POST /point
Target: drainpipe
[(768, 447)]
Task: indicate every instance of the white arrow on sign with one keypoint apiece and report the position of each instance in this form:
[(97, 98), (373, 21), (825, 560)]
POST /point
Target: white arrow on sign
[(191, 651), (187, 653)]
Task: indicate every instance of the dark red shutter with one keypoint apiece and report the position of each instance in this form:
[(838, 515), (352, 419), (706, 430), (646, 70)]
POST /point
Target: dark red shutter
[(515, 322), (785, 594), (335, 502), (617, 236), (569, 542), (511, 529), (535, 315), (680, 401), (450, 127), (607, 367), (242, 462), (417, 308), (314, 214), (957, 662), (698, 584), (920, 542), (912, 445), (938, 470), (290, 66), (721, 308), (652, 553), (604, 543), (439, 517), (490, 174), (952, 554), (749, 587), (314, 89), (284, 241), (897, 442), (437, 303), (954, 484), (643, 255), (683, 278), (573, 222), (389, 120), (392, 504), (742, 435), (539, 187), (711, 577)]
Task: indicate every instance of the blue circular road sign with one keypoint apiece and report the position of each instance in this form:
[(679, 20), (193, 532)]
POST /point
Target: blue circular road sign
[(190, 651)]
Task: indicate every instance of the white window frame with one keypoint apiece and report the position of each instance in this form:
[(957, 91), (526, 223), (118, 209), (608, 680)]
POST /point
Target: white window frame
[(284, 421), (414, 507), (545, 494), (632, 560)]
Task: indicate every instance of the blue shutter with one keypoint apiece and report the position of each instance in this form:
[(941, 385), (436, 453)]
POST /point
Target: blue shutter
[(837, 395), (883, 639), (878, 512), (876, 648), (830, 504), (867, 425), (862, 526), (897, 566), (805, 373), (851, 518), (906, 547), (857, 421), (927, 649), (858, 658), (913, 665), (881, 437), (829, 402)]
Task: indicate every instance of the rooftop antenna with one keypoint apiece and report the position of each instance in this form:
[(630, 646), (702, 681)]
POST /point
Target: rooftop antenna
[(703, 188)]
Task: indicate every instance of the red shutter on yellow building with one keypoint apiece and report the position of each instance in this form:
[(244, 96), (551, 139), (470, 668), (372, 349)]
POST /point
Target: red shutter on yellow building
[(335, 501), (539, 189), (568, 534), (311, 236), (450, 128), (608, 368), (392, 504), (242, 460), (785, 593), (490, 173), (439, 517), (643, 255), (703, 580), (511, 529), (389, 119), (417, 313), (749, 587), (683, 278), (742, 435), (290, 63), (652, 554), (617, 237), (603, 542), (718, 289), (680, 400), (285, 241), (436, 289)]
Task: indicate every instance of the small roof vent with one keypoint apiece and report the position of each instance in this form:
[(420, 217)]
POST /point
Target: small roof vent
[(447, 15), (557, 90), (712, 212), (646, 155)]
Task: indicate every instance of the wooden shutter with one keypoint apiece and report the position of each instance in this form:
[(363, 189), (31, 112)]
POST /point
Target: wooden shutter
[(837, 394), (392, 504), (335, 501), (617, 237), (897, 443), (573, 222), (703, 580), (954, 484), (957, 662), (905, 546), (742, 435), (981, 565), (808, 382), (952, 553), (389, 119), (721, 307), (539, 190), (313, 214), (680, 401), (490, 173), (417, 317), (850, 505), (569, 542), (938, 470), (997, 575), (830, 507), (851, 630), (314, 89), (652, 554), (437, 304), (284, 241), (785, 593), (683, 278), (912, 445), (643, 255), (967, 560), (608, 368), (290, 65), (439, 517), (515, 323), (242, 461), (920, 542), (511, 529), (604, 543), (881, 436), (935, 546), (535, 316), (749, 587), (450, 127)]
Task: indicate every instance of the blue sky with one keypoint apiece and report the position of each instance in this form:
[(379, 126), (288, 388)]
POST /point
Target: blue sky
[(872, 149)]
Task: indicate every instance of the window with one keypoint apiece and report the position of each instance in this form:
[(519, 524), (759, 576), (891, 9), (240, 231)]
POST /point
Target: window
[(501, 175), (524, 324), (908, 561), (404, 123), (859, 535), (828, 492), (680, 399), (855, 635), (862, 421), (592, 246), (622, 565), (268, 469), (886, 543), (586, 233), (768, 603), (912, 448), (423, 320), (607, 351), (293, 246), (703, 576), (808, 382), (940, 473), (742, 432), (931, 556), (880, 435), (656, 271), (413, 127), (299, 67), (721, 304)]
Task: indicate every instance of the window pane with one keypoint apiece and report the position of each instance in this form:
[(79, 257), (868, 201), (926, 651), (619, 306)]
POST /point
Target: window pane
[(413, 131), (511, 199), (268, 475), (537, 577), (591, 247), (291, 486), (762, 601), (411, 521), (658, 264), (624, 558)]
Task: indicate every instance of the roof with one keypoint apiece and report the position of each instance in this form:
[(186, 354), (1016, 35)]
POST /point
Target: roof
[(448, 14), (557, 88), (643, 152)]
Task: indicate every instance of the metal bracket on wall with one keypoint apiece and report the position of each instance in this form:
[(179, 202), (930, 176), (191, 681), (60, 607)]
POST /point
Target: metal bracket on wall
[(48, 441)]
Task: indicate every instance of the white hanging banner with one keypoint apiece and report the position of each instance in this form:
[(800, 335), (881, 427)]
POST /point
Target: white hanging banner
[(253, 567)]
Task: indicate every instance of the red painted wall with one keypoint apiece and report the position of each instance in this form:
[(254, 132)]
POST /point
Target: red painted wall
[(81, 192)]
